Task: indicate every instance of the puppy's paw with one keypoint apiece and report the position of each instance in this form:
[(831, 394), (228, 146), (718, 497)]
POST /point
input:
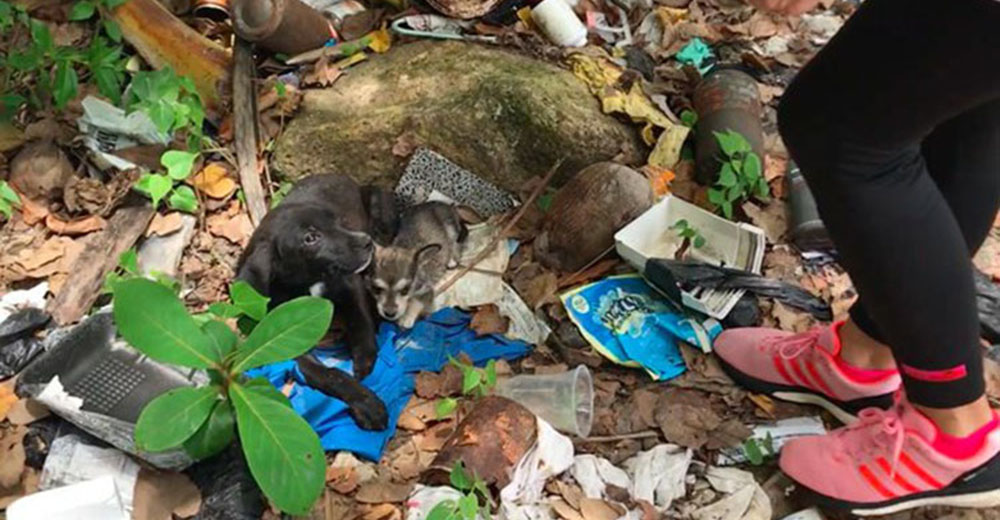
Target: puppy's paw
[(364, 362), (407, 322), (369, 412)]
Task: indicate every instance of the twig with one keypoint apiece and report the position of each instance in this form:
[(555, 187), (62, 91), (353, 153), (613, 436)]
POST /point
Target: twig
[(245, 131), (624, 437), (337, 51), (486, 252), (567, 280)]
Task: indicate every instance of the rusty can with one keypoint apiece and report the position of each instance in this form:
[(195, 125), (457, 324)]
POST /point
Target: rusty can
[(726, 99), (283, 26)]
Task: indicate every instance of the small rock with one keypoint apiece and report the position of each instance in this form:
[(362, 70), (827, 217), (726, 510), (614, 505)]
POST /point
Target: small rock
[(40, 171)]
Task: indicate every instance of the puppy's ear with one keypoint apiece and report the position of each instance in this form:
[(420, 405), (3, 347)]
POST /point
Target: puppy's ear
[(256, 267)]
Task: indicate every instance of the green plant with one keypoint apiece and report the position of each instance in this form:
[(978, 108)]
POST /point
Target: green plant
[(38, 72), (688, 232), (475, 381), (85, 10), (741, 175), (280, 193), (282, 451), (689, 118), (757, 451), (468, 507), (171, 102), (8, 199), (157, 186), (128, 268)]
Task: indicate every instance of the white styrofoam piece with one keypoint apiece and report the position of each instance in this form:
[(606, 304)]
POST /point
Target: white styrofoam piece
[(97, 499), (651, 236)]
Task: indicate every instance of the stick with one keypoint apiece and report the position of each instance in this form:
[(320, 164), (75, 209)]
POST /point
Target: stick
[(624, 437), (506, 229), (337, 51), (245, 131)]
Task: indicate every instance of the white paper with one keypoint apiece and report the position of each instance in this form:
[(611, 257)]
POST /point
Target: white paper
[(658, 474), (71, 461), (551, 455), (106, 128), (16, 300)]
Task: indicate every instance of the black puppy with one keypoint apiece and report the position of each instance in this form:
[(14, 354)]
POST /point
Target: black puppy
[(318, 241)]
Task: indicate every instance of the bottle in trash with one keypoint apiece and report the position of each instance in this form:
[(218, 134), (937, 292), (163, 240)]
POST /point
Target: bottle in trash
[(726, 99), (807, 230)]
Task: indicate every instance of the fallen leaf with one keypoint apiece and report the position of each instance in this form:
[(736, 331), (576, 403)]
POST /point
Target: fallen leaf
[(571, 493), (7, 400), (75, 227), (774, 167), (488, 320), (642, 408), (987, 259), (598, 270), (763, 402), (323, 74), (380, 512), (433, 439), (991, 370), (686, 418), (33, 261), (791, 319), (535, 284), (236, 229), (565, 511), (431, 385), (406, 144), (343, 480), (27, 485), (159, 495), (32, 212), (771, 219), (730, 433), (593, 509), (26, 411), (163, 225), (11, 456), (214, 180), (382, 492), (558, 368)]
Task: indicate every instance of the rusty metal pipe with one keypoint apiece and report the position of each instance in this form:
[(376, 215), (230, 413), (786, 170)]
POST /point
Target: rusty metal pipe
[(283, 26), (726, 99)]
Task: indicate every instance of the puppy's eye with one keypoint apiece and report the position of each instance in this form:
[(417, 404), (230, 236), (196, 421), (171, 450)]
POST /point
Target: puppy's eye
[(311, 238), (405, 290)]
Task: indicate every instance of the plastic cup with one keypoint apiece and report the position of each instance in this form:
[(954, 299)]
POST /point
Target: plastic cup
[(566, 400)]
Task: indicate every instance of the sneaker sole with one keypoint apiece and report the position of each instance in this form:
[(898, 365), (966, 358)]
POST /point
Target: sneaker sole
[(844, 411), (979, 488)]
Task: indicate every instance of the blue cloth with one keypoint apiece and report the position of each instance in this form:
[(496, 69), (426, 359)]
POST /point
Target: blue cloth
[(400, 355), (628, 322)]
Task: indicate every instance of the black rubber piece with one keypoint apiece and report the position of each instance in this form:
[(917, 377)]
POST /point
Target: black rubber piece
[(766, 387)]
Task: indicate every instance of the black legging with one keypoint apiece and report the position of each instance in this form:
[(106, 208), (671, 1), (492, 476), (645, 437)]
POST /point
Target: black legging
[(896, 126)]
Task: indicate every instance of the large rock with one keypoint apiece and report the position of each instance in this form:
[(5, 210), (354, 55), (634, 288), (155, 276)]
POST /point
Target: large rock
[(503, 116)]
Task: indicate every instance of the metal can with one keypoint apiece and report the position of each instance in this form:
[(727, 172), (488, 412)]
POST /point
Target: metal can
[(726, 99)]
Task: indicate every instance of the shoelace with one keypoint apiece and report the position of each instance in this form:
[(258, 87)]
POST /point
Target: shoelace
[(793, 346), (889, 424)]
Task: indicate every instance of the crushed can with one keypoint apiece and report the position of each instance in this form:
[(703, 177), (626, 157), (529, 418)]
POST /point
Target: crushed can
[(805, 226)]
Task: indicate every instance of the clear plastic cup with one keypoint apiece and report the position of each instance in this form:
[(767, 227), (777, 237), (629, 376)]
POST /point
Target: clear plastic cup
[(566, 400)]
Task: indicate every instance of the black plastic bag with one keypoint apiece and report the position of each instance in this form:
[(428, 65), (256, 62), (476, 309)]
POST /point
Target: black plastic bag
[(18, 346)]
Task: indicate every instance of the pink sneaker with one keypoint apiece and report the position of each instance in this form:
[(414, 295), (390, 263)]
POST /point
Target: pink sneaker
[(894, 460), (804, 368)]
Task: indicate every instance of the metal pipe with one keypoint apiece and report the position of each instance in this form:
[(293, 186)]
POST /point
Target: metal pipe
[(281, 26)]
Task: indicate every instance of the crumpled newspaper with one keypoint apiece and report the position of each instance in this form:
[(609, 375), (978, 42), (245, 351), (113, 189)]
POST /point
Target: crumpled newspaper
[(106, 129)]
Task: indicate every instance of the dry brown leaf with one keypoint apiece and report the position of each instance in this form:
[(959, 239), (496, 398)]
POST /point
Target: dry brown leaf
[(433, 439), (598, 270), (448, 382), (27, 485), (405, 144), (75, 227), (408, 461), (763, 402), (343, 480), (32, 212), (214, 180), (159, 495), (323, 74), (41, 262), (774, 167), (593, 509), (536, 285), (382, 492), (11, 456), (571, 493), (7, 400), (163, 225), (381, 512), (991, 370), (236, 229), (488, 320), (791, 319), (565, 511), (686, 418), (411, 418), (987, 259), (26, 411), (771, 218), (769, 92)]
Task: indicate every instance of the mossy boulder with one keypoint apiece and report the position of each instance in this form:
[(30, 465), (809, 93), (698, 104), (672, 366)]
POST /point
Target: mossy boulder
[(501, 115)]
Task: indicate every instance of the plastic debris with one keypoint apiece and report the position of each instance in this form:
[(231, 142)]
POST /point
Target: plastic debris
[(629, 323), (424, 498), (594, 474), (96, 499), (162, 254), (439, 27), (658, 475), (429, 171), (228, 489), (654, 235), (106, 129), (744, 500), (697, 54), (18, 346), (427, 346), (773, 436), (565, 400), (15, 300), (72, 460), (601, 77), (551, 455), (559, 23), (696, 275)]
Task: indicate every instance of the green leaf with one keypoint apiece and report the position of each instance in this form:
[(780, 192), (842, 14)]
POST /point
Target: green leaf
[(727, 177), (470, 379), (154, 186), (82, 10), (445, 407), (107, 83), (41, 36), (224, 310), (248, 300), (460, 478), (65, 85), (752, 452), (468, 506), (129, 262), (689, 118), (286, 332), (111, 4), (763, 189), (491, 374), (153, 320), (680, 224), (727, 142), (182, 198), (444, 510), (222, 336), (727, 209), (6, 209), (283, 452), (8, 194), (173, 417), (752, 167), (112, 29), (178, 163), (215, 434), (716, 197), (699, 242)]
